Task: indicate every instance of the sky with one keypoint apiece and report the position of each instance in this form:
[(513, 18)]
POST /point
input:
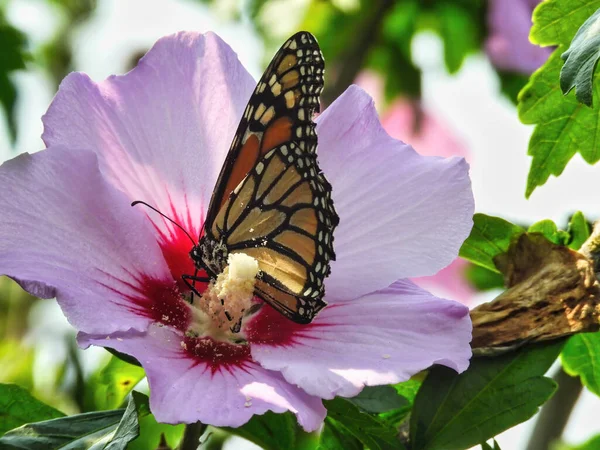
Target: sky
[(468, 102)]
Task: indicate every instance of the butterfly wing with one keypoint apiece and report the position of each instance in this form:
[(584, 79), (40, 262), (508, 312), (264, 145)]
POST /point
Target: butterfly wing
[(280, 110), (274, 204)]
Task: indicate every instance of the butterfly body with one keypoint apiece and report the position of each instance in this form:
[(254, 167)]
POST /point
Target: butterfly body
[(210, 255), (271, 201)]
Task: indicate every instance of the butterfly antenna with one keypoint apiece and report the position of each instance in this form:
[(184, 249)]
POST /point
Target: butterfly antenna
[(137, 202)]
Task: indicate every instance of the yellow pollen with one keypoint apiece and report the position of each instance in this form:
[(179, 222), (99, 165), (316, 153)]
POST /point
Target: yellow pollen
[(225, 300)]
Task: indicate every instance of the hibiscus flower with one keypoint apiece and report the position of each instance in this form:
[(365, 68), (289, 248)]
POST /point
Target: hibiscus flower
[(160, 134)]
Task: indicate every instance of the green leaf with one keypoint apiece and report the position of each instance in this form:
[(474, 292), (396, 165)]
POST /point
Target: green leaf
[(17, 407), (12, 57), (563, 125), (116, 380), (129, 427), (490, 237), (486, 446), (408, 389), (270, 431), (105, 430), (379, 399), (555, 22), (459, 32), (581, 357), (335, 436), (483, 279), (455, 411), (550, 231), (373, 432), (579, 230), (580, 60), (151, 432), (16, 361)]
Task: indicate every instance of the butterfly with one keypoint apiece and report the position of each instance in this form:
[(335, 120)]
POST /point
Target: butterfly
[(271, 200)]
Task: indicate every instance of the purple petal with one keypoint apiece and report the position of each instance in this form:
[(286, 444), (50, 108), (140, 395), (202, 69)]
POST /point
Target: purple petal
[(65, 231), (162, 130), (381, 338), (184, 390), (401, 214), (508, 44)]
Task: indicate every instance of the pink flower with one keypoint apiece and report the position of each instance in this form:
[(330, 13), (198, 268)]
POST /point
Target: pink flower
[(160, 134), (508, 44)]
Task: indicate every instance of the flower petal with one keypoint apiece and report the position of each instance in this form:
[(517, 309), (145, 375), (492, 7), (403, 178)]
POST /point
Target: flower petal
[(65, 231), (185, 391), (162, 130), (450, 282), (382, 338), (401, 214)]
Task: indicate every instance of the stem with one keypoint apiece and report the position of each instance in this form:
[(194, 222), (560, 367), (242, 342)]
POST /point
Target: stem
[(191, 436), (555, 413)]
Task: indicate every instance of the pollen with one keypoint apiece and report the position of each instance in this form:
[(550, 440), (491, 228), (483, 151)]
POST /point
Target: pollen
[(227, 299)]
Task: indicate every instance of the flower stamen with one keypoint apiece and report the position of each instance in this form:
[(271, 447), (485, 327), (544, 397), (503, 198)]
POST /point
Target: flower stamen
[(219, 312)]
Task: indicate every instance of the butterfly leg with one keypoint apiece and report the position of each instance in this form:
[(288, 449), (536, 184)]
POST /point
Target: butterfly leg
[(187, 278)]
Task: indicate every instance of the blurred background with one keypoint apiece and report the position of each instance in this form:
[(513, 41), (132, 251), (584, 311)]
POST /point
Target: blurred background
[(444, 75)]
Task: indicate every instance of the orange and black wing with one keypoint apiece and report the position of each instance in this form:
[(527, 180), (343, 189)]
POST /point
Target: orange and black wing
[(283, 216), (272, 202), (280, 110)]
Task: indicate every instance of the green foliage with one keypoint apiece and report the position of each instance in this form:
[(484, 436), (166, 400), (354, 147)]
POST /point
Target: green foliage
[(580, 60), (490, 237), (408, 391), (115, 381), (379, 399), (17, 363), (460, 28), (486, 446), (372, 431), (335, 436), (151, 432), (105, 430), (483, 279), (455, 411), (579, 230), (12, 57), (550, 231), (18, 406), (581, 357), (378, 34), (555, 22), (270, 431), (564, 126)]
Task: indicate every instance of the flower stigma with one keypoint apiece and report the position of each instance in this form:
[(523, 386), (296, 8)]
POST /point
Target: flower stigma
[(219, 312)]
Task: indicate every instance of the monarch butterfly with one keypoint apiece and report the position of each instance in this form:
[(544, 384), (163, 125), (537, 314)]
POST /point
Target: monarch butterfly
[(271, 200)]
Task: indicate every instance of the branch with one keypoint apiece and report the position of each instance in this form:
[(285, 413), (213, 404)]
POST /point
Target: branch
[(552, 293)]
